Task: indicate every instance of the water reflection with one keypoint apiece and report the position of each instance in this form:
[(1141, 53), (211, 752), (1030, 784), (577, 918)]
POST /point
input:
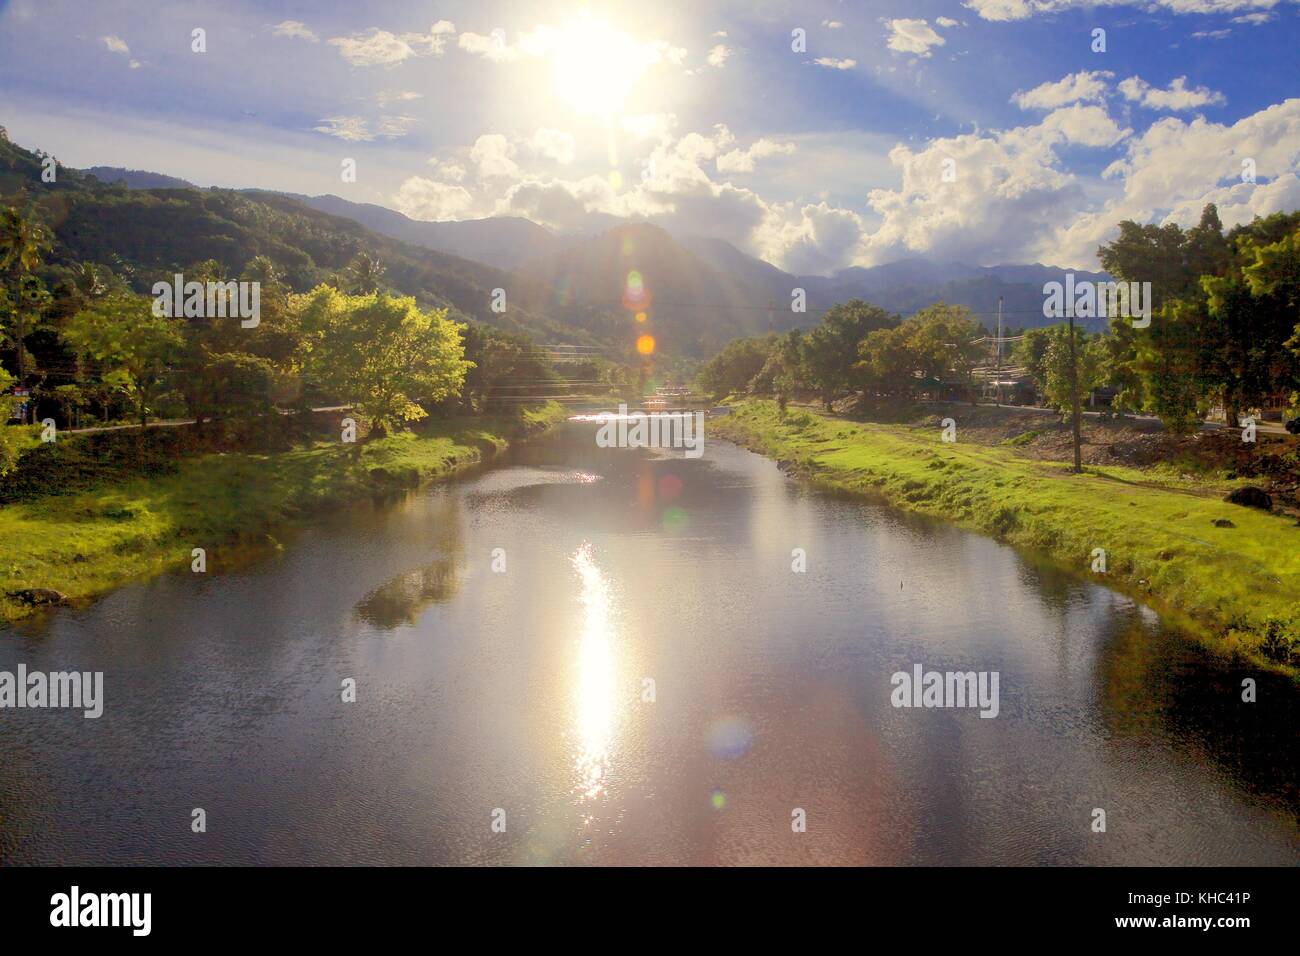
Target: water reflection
[(595, 703), (398, 603)]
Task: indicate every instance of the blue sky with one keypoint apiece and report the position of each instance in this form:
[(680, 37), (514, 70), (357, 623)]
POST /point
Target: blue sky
[(989, 131)]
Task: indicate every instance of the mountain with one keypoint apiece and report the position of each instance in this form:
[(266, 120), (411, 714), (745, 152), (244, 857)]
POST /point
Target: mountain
[(691, 306), (145, 234), (905, 286), (504, 242), (699, 292), (137, 178)]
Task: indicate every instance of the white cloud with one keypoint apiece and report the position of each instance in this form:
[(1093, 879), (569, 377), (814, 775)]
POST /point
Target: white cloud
[(492, 47), (834, 64), (832, 24), (294, 30), (448, 170), (356, 129), (744, 160), (945, 22), (376, 47), (1023, 9), (385, 97), (554, 144), (1084, 126), (116, 45), (1174, 168), (1177, 97), (1211, 34), (913, 36), (809, 239), (492, 153), (430, 200), (718, 55), (1005, 200), (1255, 19), (1084, 86)]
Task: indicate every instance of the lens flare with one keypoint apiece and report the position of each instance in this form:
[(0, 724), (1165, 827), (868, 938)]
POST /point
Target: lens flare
[(646, 345)]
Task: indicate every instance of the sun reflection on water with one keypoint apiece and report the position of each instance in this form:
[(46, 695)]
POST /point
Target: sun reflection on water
[(595, 702)]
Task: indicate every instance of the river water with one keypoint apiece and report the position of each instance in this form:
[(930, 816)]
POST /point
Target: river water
[(637, 676)]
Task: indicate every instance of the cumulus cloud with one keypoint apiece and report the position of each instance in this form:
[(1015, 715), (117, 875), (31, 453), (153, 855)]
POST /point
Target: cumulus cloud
[(945, 22), (492, 154), (834, 64), (832, 24), (1174, 168), (1085, 86), (1177, 97), (493, 46), (718, 55), (376, 47), (116, 44), (1003, 199), (554, 144), (744, 160), (294, 30), (427, 199), (913, 36)]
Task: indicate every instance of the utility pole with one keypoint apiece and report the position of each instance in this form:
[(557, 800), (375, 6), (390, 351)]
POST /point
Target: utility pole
[(998, 380), (1074, 393)]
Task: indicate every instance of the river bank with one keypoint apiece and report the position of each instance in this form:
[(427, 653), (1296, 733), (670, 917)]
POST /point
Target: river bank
[(231, 504), (1233, 585)]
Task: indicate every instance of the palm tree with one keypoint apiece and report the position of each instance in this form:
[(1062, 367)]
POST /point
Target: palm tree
[(22, 241), (364, 272)]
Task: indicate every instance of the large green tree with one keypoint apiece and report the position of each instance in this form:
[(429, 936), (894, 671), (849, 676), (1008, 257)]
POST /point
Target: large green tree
[(133, 347), (380, 353)]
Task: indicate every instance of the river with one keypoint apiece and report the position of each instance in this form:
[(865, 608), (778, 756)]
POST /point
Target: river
[(589, 655)]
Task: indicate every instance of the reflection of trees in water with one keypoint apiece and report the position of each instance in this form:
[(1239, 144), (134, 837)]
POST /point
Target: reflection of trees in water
[(1155, 681), (399, 601)]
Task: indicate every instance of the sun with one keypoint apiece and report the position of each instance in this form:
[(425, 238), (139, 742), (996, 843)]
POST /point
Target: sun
[(596, 65)]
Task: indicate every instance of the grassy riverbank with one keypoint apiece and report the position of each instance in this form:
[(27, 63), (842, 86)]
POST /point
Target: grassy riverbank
[(89, 541), (1236, 588)]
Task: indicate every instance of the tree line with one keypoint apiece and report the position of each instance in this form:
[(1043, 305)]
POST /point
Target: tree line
[(1224, 334), (88, 348)]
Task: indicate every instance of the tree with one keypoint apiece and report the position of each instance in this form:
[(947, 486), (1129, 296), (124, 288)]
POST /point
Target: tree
[(133, 346), (506, 367), (23, 241), (830, 351), (380, 353), (731, 370), (363, 274)]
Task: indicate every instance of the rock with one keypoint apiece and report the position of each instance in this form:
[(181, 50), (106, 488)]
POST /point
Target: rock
[(1223, 523), (35, 596), (1250, 497)]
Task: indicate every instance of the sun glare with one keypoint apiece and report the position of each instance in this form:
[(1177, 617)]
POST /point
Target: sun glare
[(596, 66)]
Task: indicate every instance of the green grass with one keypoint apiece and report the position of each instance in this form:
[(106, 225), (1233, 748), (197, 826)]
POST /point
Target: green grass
[(92, 540), (1236, 589)]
